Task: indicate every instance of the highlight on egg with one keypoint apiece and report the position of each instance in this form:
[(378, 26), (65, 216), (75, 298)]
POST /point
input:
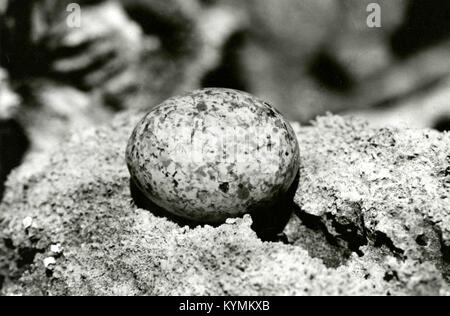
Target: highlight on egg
[(213, 154)]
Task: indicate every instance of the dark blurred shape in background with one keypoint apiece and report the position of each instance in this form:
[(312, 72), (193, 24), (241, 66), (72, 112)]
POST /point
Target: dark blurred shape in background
[(306, 57), (330, 73), (227, 74), (442, 124), (427, 23)]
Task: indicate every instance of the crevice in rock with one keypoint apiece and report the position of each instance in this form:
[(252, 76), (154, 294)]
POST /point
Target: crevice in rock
[(312, 234), (445, 253), (349, 234), (422, 240), (23, 257), (381, 239), (445, 249), (14, 143), (391, 275), (27, 255), (315, 223), (8, 243), (346, 237)]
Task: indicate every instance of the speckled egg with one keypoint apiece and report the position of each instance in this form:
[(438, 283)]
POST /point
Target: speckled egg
[(213, 154)]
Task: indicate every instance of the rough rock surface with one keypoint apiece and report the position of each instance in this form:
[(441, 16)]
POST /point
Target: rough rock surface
[(382, 186), (371, 217)]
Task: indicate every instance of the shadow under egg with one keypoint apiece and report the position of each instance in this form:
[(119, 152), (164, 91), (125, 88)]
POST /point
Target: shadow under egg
[(268, 222)]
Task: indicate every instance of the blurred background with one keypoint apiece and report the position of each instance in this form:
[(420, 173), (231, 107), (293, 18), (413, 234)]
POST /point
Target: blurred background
[(306, 57)]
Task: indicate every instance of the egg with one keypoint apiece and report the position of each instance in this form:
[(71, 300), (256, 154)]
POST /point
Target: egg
[(213, 154)]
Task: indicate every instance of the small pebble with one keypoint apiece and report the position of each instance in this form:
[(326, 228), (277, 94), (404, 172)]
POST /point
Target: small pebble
[(230, 221), (213, 154), (49, 261), (27, 222), (56, 249)]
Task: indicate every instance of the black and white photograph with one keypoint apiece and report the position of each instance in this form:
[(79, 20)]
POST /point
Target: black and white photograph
[(222, 153)]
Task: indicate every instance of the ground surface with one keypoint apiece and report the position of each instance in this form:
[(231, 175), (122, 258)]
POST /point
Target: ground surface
[(370, 216)]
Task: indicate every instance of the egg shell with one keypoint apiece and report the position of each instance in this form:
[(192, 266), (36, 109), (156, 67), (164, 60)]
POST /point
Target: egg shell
[(213, 154)]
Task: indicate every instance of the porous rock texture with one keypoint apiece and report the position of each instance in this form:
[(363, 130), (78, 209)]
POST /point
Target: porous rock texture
[(370, 218)]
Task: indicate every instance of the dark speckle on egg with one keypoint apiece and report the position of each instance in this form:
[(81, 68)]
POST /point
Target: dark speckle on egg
[(224, 187), (201, 106), (213, 154)]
